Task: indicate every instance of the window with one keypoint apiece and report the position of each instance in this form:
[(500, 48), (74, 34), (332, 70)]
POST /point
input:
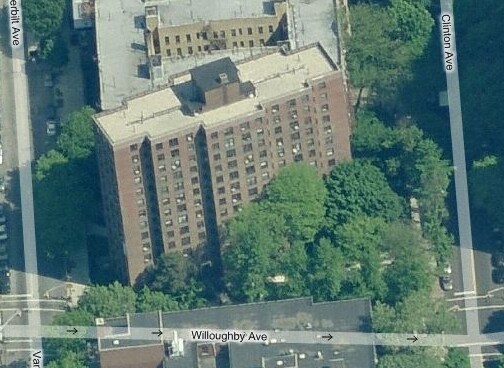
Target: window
[(251, 43), (188, 37), (261, 142), (260, 30), (182, 219), (206, 47), (258, 120), (222, 201), (175, 153), (233, 32), (229, 143), (179, 51), (326, 119), (321, 85), (219, 179), (145, 235), (198, 35), (330, 152), (270, 29), (168, 222), (224, 212), (214, 135), (309, 131), (171, 245), (295, 136), (260, 132), (325, 107), (221, 190), (170, 233), (281, 152), (250, 170), (193, 169), (223, 34), (166, 201), (242, 44), (167, 40), (251, 181), (190, 50), (264, 164), (332, 162), (181, 208), (244, 126), (327, 129), (184, 230), (138, 180), (228, 131), (233, 175), (189, 137), (215, 35), (173, 142), (139, 191), (329, 140), (323, 96), (307, 121), (134, 159), (217, 157), (134, 147), (247, 147), (215, 146), (235, 44), (199, 48), (196, 191), (282, 163), (261, 42), (275, 108), (201, 236), (194, 180), (252, 192), (161, 157), (177, 175), (232, 164), (263, 154), (249, 30), (218, 168), (140, 202), (204, 35), (278, 130), (231, 153), (177, 39), (164, 178), (186, 241), (291, 103), (279, 142), (168, 52), (247, 137), (240, 31)]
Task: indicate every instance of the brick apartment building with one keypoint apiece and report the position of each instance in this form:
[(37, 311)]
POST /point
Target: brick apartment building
[(176, 162), (181, 29)]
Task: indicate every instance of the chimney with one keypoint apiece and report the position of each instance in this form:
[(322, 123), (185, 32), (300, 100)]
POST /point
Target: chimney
[(223, 77)]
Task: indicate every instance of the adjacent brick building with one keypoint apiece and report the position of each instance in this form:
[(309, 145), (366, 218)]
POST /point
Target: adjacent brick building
[(178, 161)]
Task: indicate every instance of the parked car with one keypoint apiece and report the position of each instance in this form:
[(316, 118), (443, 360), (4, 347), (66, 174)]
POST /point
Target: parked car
[(51, 127), (446, 282), (498, 259), (1, 155), (498, 275), (447, 268), (2, 184)]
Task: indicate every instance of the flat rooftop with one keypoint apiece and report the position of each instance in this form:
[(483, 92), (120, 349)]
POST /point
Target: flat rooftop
[(158, 113), (178, 12), (287, 315), (122, 53)]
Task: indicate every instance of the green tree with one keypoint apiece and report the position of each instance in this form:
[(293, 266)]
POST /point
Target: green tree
[(77, 137), (149, 301), (457, 358), (417, 313), (360, 241), (326, 271), (254, 246), (43, 17), (113, 300), (70, 359), (303, 208), (360, 188), (417, 358)]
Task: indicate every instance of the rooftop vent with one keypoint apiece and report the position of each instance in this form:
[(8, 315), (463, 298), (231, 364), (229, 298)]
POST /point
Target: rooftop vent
[(223, 77)]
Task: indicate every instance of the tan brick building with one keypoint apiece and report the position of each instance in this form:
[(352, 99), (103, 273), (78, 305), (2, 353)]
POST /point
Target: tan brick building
[(169, 33), (178, 161)]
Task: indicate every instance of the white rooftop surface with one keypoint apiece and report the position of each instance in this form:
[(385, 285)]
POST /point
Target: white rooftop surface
[(121, 50), (273, 75), (314, 21), (178, 12)]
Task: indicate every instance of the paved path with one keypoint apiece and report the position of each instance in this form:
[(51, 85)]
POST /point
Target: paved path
[(463, 213), (22, 114)]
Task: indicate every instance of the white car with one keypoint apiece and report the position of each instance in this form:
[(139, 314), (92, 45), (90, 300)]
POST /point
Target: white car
[(51, 128), (1, 155)]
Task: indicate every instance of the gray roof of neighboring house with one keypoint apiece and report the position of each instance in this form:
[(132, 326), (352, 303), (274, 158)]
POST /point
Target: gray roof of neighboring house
[(287, 315)]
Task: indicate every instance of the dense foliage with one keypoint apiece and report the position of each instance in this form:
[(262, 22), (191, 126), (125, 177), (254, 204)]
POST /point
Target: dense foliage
[(66, 191)]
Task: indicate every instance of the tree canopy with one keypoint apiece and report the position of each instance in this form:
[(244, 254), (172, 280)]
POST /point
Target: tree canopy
[(358, 187), (43, 17), (76, 139)]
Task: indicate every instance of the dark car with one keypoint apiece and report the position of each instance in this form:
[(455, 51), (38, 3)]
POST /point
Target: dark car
[(498, 259), (498, 275), (4, 284), (446, 282)]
